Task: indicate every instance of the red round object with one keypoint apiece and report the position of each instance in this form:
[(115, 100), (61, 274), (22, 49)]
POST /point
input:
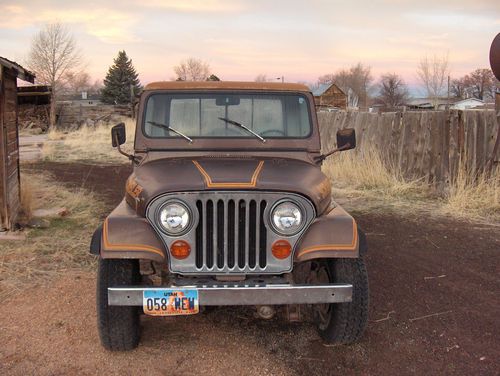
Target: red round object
[(495, 56)]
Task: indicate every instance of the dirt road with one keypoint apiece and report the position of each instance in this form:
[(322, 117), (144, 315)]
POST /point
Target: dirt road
[(434, 310)]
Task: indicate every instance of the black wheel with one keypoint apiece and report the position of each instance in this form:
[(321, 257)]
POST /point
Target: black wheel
[(342, 323), (118, 326)]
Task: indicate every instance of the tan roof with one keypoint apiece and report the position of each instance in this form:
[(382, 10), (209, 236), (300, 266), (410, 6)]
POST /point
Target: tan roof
[(225, 85)]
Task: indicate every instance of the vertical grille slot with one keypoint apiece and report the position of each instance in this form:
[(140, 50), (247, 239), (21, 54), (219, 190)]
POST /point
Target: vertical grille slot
[(263, 237), (220, 234), (242, 205), (231, 229), (199, 235), (252, 232), (209, 235)]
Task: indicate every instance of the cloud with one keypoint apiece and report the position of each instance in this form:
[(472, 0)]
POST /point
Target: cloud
[(194, 6), (108, 25), (13, 16)]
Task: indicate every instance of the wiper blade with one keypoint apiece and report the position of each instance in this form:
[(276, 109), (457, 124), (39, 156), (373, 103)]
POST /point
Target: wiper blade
[(243, 127), (168, 127)]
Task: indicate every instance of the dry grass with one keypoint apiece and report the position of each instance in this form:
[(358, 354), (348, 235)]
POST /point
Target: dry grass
[(61, 247), (26, 200), (474, 195), (87, 144), (366, 171), (365, 179)]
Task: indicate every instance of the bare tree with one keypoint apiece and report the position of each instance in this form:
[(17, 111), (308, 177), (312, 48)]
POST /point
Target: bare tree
[(432, 74), (75, 83), (261, 78), (192, 69), (393, 91), (355, 81), (326, 79), (53, 54), (458, 88), (482, 84)]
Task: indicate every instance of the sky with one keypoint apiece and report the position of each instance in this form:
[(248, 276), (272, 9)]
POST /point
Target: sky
[(300, 40)]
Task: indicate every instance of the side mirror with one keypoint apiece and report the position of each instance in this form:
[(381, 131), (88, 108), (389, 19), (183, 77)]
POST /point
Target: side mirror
[(346, 139), (118, 135)]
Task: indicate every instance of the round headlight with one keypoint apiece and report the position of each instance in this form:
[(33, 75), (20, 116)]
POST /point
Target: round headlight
[(287, 218), (174, 218)]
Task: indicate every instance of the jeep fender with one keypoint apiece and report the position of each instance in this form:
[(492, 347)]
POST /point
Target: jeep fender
[(334, 235), (125, 235)]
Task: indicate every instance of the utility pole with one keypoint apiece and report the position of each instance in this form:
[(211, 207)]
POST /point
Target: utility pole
[(448, 100)]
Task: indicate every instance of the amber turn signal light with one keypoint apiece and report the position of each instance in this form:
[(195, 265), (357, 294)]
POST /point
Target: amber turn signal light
[(180, 249), (281, 249)]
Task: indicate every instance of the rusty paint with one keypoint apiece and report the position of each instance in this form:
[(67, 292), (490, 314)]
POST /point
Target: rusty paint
[(225, 85)]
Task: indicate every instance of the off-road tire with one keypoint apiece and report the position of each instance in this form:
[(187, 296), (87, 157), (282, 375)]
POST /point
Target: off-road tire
[(118, 326), (347, 321)]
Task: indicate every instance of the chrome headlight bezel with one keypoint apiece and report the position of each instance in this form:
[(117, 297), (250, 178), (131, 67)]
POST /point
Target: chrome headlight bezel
[(294, 231), (189, 220)]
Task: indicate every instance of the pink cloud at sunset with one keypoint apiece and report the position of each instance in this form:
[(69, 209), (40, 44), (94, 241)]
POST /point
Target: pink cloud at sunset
[(300, 40)]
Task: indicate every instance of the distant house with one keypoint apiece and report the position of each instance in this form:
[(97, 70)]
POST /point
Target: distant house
[(329, 96), (443, 103), (465, 104), (82, 99)]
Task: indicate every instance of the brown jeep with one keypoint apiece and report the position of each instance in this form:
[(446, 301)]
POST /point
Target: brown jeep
[(227, 205)]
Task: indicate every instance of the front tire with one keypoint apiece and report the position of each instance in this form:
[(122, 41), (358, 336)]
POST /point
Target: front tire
[(342, 323), (118, 326)]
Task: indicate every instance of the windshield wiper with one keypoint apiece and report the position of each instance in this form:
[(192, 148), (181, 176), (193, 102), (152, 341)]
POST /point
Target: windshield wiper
[(161, 125), (243, 127)]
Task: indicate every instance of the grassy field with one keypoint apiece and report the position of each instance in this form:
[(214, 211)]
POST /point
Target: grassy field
[(87, 144), (47, 252)]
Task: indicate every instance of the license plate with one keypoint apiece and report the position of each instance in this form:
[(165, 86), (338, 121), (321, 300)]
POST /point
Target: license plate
[(170, 302)]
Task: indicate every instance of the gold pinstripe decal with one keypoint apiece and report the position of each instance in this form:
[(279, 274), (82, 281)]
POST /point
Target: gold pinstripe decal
[(210, 184), (335, 247), (126, 247)]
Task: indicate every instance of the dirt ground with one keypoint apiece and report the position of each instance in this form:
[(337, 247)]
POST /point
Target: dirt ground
[(434, 310)]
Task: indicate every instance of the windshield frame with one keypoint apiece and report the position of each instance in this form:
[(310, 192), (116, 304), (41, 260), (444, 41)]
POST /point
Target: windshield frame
[(144, 143), (227, 92)]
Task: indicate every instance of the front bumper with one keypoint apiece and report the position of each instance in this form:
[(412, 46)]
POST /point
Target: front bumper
[(220, 295)]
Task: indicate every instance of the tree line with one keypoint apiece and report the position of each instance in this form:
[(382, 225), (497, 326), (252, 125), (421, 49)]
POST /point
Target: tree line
[(57, 61)]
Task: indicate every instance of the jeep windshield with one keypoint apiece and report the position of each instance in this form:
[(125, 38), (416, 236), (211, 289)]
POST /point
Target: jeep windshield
[(206, 115)]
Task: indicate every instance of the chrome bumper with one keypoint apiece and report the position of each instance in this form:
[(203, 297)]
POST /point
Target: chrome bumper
[(243, 295)]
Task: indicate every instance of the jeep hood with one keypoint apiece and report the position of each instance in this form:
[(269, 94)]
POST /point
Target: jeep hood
[(208, 173)]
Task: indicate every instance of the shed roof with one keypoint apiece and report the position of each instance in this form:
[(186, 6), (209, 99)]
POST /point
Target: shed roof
[(225, 85), (320, 90), (479, 101), (21, 72)]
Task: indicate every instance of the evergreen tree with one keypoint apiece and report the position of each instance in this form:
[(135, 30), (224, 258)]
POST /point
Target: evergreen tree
[(121, 76)]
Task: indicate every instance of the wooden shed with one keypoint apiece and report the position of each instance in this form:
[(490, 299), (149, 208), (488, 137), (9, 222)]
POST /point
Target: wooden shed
[(329, 96), (9, 141)]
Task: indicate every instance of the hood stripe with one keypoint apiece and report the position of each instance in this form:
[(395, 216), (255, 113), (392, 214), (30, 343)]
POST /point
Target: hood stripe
[(210, 184)]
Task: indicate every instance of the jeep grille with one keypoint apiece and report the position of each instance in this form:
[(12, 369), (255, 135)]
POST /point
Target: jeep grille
[(231, 232)]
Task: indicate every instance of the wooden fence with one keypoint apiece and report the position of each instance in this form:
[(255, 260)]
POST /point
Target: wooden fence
[(424, 144), (70, 115)]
